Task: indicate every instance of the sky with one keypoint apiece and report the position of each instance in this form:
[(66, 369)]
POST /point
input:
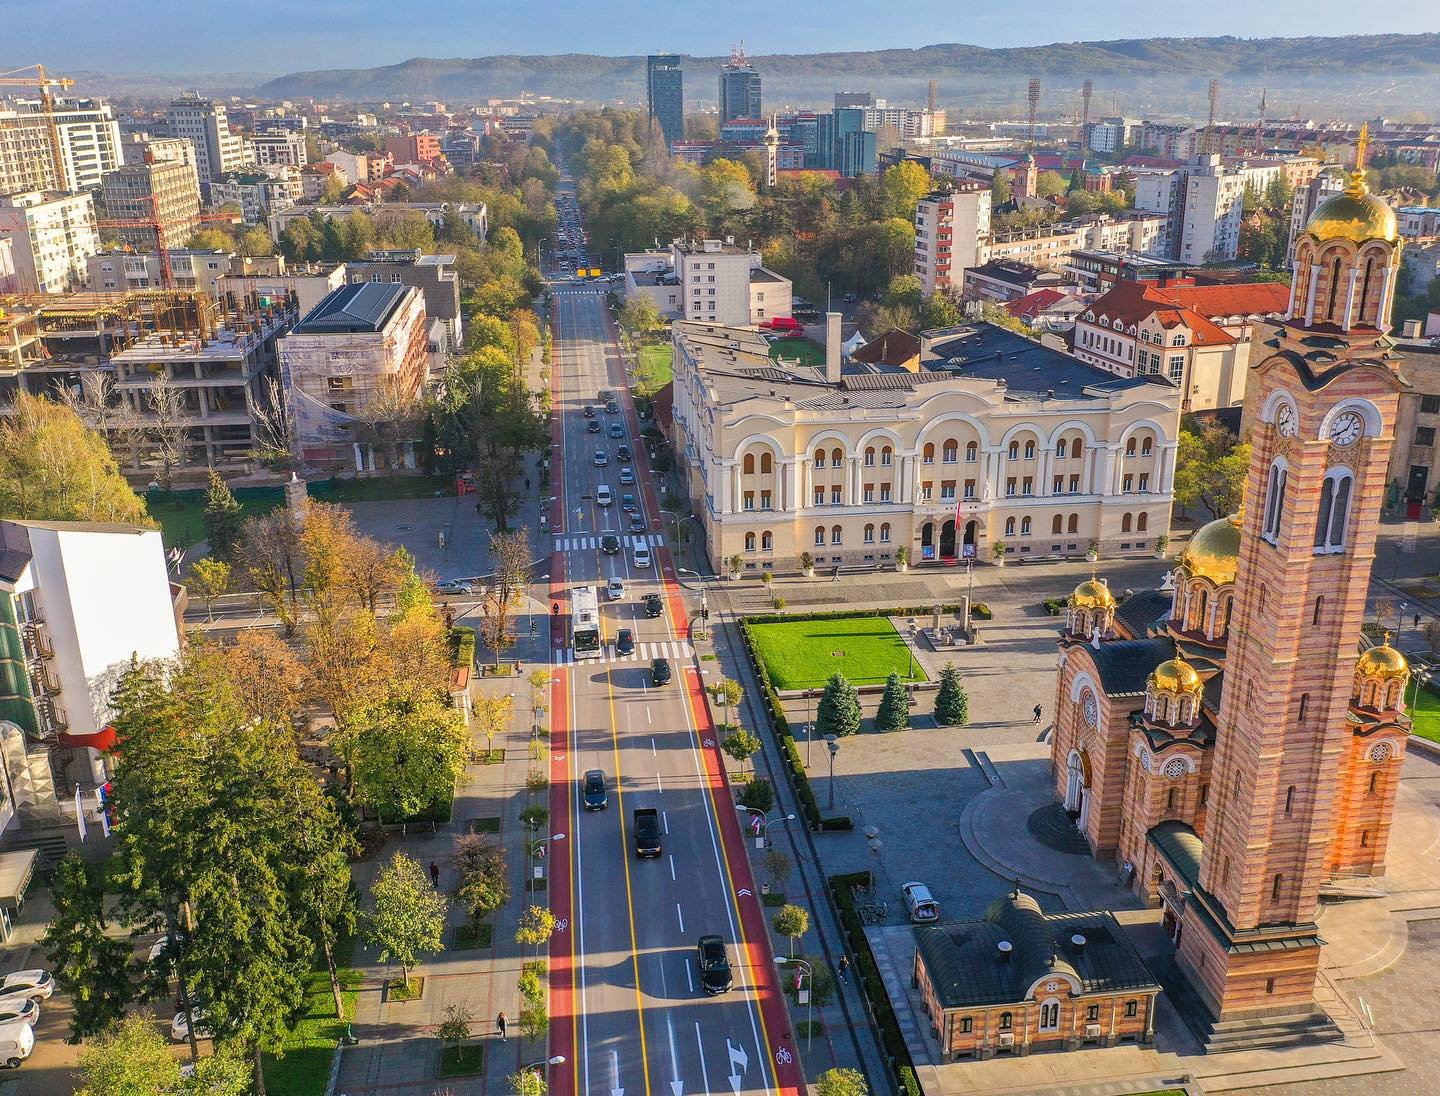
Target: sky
[(211, 36)]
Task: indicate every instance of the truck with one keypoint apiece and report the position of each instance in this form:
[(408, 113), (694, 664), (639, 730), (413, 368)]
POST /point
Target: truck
[(647, 832)]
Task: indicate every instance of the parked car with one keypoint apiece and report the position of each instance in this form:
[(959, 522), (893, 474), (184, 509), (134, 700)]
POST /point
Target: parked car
[(35, 984), (615, 589), (920, 902), (19, 1007), (597, 795), (653, 605), (660, 671), (715, 976), (454, 586), (625, 642), (17, 1040), (180, 1028), (610, 544), (627, 477), (641, 557), (602, 458)]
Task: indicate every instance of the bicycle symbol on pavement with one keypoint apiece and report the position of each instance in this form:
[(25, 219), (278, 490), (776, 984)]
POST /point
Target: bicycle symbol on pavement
[(783, 1056), (709, 742), (561, 924)]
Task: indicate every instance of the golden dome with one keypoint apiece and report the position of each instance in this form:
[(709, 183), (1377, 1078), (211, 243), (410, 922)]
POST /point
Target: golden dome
[(1092, 594), (1214, 551), (1355, 215), (1384, 662), (1176, 676)]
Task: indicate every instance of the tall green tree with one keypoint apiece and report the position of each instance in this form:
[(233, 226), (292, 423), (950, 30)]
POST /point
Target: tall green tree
[(841, 1082), (838, 712), (92, 966), (791, 922), (409, 914), (894, 710), (132, 1058), (405, 755), (223, 519), (952, 703), (1210, 468)]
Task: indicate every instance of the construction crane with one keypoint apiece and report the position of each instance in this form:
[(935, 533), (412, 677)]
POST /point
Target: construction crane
[(44, 81), (153, 223)]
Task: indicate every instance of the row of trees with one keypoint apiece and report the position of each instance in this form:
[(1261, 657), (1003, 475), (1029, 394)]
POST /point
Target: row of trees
[(838, 712)]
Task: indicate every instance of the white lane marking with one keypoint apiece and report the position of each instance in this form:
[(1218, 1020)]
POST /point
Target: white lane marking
[(700, 1049), (652, 740), (665, 821), (649, 720), (690, 978), (659, 785), (675, 1084), (680, 916), (672, 868), (578, 887)]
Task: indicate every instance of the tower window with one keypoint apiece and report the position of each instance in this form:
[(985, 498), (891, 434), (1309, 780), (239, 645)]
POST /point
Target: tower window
[(1289, 798), (1269, 985), (1274, 502), (1170, 799), (1319, 608), (1334, 512), (1304, 705), (966, 1025), (1374, 783), (1275, 887)]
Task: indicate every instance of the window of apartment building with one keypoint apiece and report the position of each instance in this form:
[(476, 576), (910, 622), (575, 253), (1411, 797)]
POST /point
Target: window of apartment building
[(749, 500), (819, 536), (1132, 1008), (836, 458), (1027, 486), (1009, 527), (885, 533), (819, 496), (1074, 485), (1130, 449), (1177, 340), (951, 452), (1092, 1013), (1144, 482), (835, 496), (1059, 484), (927, 491), (1073, 526), (709, 266), (1010, 487), (1425, 435), (1430, 405), (869, 492), (884, 492), (971, 452), (819, 458), (1025, 527), (870, 458), (711, 278), (886, 457), (767, 541), (749, 542), (1127, 483), (1029, 450), (835, 534), (927, 455), (1014, 450), (696, 291), (711, 292), (765, 500), (869, 534), (1177, 368)]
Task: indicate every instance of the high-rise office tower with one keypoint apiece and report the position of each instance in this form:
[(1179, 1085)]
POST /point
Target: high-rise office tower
[(205, 123), (665, 94), (739, 88)]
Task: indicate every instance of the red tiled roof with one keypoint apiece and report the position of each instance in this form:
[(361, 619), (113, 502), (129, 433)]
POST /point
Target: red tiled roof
[(1191, 305), (1036, 302), (1233, 299)]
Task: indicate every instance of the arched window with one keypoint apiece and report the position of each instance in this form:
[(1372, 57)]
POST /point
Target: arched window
[(1334, 512), (885, 532), (1145, 446), (1125, 524), (835, 534), (1170, 799), (819, 458), (1056, 525), (1319, 608), (1392, 695), (869, 534), (836, 458), (1007, 1021), (1334, 290), (1374, 783), (1364, 838), (1074, 447), (1141, 522), (819, 536), (1029, 450), (869, 456), (972, 451), (886, 457), (749, 542), (1009, 527), (1130, 448), (767, 464), (767, 541), (747, 467), (1202, 602), (1025, 527), (951, 451), (1289, 798), (927, 455), (1060, 448), (1275, 887), (1074, 525), (1274, 501), (1014, 450)]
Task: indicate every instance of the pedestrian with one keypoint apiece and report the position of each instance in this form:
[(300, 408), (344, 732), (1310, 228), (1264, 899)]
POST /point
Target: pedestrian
[(1417, 622), (527, 483), (1038, 710), (435, 875), (844, 968), (835, 573), (500, 1026)]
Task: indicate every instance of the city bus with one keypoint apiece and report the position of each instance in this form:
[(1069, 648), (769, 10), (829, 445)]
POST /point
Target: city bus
[(585, 622)]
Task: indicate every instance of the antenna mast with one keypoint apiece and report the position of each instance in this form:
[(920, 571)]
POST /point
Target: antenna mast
[(1033, 95)]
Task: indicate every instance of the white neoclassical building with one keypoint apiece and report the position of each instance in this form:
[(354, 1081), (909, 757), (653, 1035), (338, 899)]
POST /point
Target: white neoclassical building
[(993, 439)]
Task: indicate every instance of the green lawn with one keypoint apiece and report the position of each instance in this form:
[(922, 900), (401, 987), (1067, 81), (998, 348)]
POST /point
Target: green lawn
[(1426, 713), (807, 352), (655, 370), (803, 654), (305, 1065)]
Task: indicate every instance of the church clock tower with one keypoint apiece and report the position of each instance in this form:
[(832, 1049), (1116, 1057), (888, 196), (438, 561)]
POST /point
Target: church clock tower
[(1326, 400)]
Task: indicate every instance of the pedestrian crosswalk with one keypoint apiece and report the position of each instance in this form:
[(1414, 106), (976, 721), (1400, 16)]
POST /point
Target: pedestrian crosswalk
[(676, 649), (590, 544)]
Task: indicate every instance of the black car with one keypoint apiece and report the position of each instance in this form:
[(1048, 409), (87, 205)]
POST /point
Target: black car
[(625, 642), (589, 411), (592, 427), (660, 671), (597, 795), (610, 544), (714, 964), (622, 452), (637, 523), (612, 408), (653, 605)]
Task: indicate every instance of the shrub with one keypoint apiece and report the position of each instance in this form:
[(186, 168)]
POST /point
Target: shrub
[(981, 611), (807, 561), (838, 712), (894, 712), (1054, 605), (758, 794), (779, 603)]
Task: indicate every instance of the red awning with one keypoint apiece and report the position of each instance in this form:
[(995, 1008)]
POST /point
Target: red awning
[(103, 740)]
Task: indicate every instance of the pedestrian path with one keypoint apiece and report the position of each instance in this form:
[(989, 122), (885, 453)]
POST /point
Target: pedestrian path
[(591, 543), (676, 649)]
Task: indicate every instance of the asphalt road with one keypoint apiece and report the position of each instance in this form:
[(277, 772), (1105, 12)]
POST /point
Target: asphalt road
[(627, 1010)]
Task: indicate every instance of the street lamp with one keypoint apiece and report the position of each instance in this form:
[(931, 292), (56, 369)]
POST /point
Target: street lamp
[(832, 743), (544, 1063), (781, 961), (872, 839), (762, 839), (809, 729)]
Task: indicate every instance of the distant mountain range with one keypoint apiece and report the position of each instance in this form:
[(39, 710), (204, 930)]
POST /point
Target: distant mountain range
[(1351, 76)]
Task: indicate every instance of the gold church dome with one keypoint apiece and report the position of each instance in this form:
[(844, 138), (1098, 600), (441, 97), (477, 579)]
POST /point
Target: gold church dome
[(1355, 215), (1214, 551), (1384, 662), (1092, 594), (1175, 675)]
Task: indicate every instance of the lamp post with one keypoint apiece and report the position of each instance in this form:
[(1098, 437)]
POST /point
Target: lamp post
[(872, 839), (544, 1064), (910, 648), (832, 743), (809, 729), (762, 839), (809, 972)]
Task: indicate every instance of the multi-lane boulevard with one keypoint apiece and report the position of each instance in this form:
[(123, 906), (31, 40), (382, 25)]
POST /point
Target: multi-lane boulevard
[(628, 1013)]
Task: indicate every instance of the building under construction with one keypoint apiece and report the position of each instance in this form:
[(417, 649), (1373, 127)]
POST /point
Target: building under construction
[(160, 371)]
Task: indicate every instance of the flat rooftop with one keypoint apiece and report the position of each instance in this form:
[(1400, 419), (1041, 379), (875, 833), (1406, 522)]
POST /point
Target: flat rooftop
[(1029, 370), (356, 309)]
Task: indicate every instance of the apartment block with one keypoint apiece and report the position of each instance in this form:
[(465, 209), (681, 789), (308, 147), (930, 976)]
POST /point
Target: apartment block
[(206, 125), (434, 275), (412, 148), (151, 206), (27, 160), (140, 148), (258, 193), (709, 280), (665, 94), (260, 286), (279, 148), (52, 237), (89, 141), (1203, 202), (127, 271), (1050, 246), (1112, 134), (951, 227)]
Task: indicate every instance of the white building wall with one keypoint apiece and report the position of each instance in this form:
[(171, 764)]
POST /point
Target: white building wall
[(53, 237)]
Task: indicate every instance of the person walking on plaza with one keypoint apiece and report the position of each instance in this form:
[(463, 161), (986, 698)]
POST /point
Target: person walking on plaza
[(435, 875), (1038, 710), (500, 1026), (844, 968)]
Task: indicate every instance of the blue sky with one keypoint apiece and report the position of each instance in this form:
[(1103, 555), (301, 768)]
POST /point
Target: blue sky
[(209, 36)]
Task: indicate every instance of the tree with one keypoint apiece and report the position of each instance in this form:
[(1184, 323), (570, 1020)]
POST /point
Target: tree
[(493, 711), (792, 922), (818, 980), (409, 916), (223, 519), (92, 967), (209, 578), (482, 882), (510, 556), (271, 554), (530, 1082), (454, 1026), (54, 468), (758, 794), (894, 711), (727, 692), (1049, 184), (841, 1082), (405, 757), (1210, 468), (537, 925), (952, 705), (1000, 189), (838, 712), (741, 745), (165, 431), (901, 188), (132, 1058), (777, 866)]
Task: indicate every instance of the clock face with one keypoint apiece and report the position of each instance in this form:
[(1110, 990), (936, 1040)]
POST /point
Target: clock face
[(1347, 428), (1092, 713), (1285, 421)]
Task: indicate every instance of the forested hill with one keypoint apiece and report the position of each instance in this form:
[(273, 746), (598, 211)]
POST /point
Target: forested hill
[(1351, 75)]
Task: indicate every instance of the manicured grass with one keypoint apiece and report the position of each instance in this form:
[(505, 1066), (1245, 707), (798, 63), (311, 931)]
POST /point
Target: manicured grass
[(410, 990), (487, 824), (303, 1069), (1426, 713), (807, 352), (654, 371), (803, 654), (773, 900), (466, 938), (462, 1061)]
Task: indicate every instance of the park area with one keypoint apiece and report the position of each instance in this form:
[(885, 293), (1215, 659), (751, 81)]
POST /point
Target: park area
[(1426, 713), (803, 654), (654, 371)]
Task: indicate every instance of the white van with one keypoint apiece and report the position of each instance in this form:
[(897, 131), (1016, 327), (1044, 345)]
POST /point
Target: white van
[(642, 557), (603, 495), (17, 1040)]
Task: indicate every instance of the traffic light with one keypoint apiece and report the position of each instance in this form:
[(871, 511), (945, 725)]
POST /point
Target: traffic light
[(704, 614)]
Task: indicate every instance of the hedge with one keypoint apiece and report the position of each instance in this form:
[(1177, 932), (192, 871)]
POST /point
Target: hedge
[(848, 614), (462, 646), (858, 945)]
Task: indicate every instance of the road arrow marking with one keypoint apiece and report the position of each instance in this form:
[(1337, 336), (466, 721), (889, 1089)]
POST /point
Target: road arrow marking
[(738, 1057), (744, 893)]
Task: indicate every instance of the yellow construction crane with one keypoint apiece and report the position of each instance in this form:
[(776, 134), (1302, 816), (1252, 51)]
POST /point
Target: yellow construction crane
[(44, 81)]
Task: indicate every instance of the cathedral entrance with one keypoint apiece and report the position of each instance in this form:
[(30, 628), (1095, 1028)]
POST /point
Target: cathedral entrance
[(1076, 800), (927, 541), (947, 540), (972, 533)]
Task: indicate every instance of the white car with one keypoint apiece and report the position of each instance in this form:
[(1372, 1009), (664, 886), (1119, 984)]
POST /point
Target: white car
[(180, 1030), (454, 586), (920, 902), (603, 495), (17, 1040), (642, 557), (20, 1008), (35, 984), (615, 589)]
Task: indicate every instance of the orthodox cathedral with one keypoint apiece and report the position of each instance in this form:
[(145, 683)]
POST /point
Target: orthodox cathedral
[(1219, 739)]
